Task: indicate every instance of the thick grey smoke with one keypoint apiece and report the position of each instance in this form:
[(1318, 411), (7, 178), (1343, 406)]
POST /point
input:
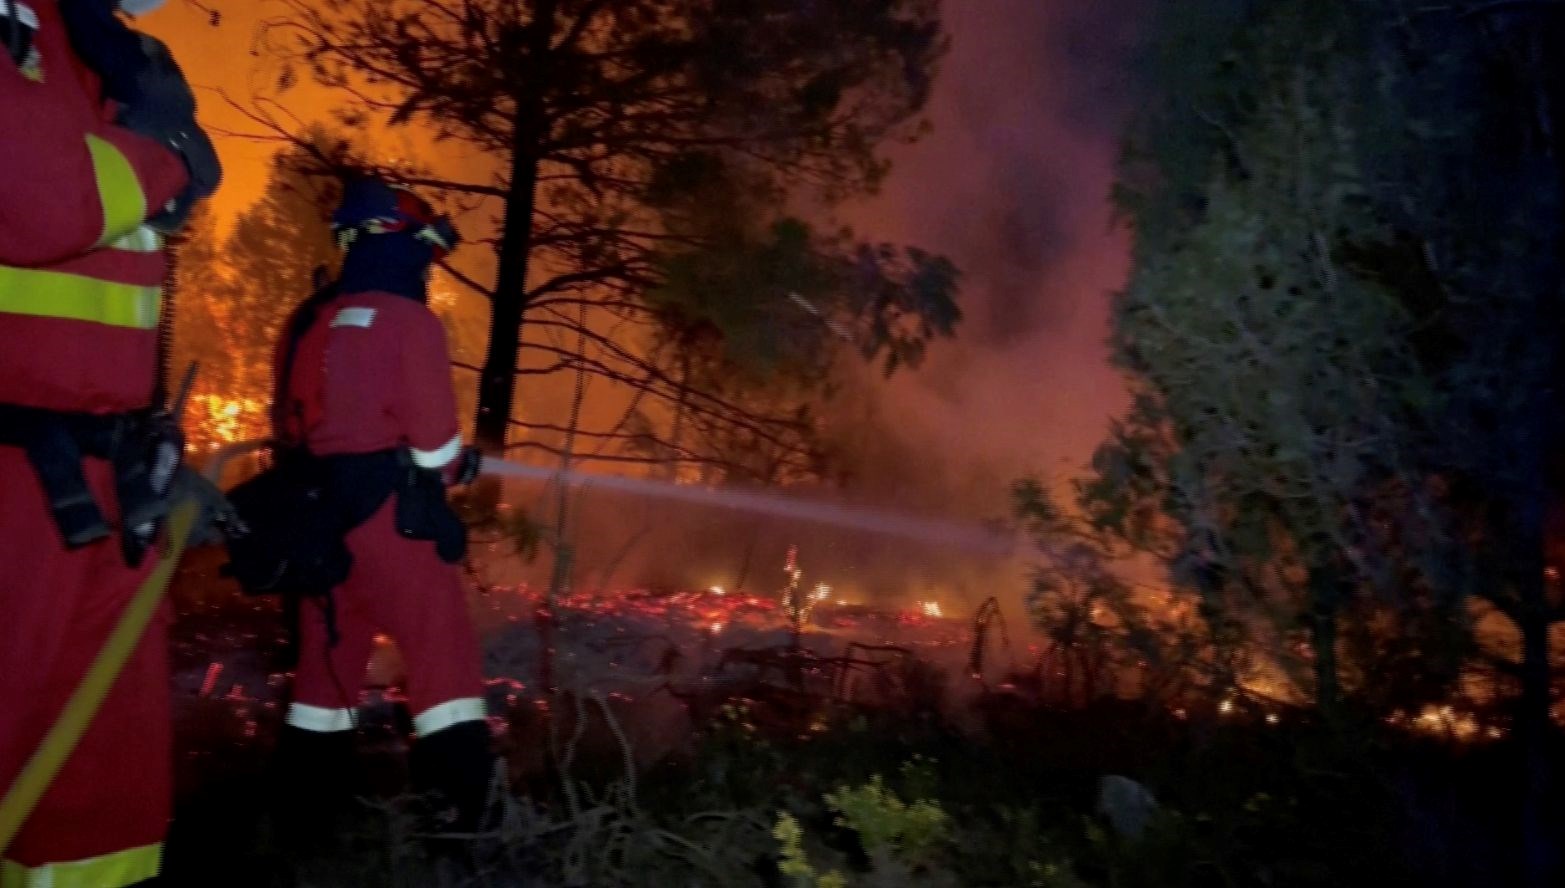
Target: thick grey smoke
[(1013, 185)]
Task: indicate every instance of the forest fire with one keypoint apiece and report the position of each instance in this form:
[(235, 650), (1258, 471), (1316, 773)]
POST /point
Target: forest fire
[(1206, 348), (220, 419)]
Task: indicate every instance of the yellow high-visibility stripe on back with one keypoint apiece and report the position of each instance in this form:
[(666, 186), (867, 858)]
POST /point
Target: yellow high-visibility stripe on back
[(114, 870), (55, 294), (124, 204)]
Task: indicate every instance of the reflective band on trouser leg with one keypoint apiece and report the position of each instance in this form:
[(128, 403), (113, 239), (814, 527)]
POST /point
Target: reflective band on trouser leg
[(124, 203), (105, 871), (437, 459), (319, 719), (451, 712), (56, 294)]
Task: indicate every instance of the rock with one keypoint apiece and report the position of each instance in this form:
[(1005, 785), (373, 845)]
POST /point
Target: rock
[(1128, 805)]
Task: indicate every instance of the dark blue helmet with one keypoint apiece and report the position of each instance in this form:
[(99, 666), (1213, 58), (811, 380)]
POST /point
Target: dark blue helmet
[(374, 206)]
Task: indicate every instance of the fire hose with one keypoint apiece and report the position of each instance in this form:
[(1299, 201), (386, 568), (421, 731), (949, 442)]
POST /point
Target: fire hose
[(39, 772)]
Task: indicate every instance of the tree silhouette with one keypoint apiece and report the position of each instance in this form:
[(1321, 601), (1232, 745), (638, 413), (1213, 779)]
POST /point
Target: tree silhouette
[(201, 330), (638, 143), (1344, 321)]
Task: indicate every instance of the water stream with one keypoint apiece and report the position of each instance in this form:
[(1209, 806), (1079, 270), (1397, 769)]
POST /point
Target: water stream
[(974, 538)]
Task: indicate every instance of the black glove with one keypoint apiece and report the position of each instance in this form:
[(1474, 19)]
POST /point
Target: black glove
[(205, 171), (161, 106), (468, 465), (145, 466), (142, 77), (218, 521), (16, 33)]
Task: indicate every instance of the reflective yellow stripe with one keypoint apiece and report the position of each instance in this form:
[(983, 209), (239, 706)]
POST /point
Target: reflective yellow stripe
[(54, 294), (108, 871), (124, 204)]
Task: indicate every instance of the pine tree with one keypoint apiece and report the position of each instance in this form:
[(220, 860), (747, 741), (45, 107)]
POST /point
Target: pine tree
[(618, 127), (273, 252)]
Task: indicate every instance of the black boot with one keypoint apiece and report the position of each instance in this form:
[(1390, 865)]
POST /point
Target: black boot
[(454, 767), (311, 789)]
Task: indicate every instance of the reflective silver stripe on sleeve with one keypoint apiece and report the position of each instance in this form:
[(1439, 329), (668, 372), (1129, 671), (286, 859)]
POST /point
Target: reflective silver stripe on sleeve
[(437, 459)]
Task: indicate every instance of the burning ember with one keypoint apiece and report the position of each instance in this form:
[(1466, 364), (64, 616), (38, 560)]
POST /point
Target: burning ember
[(798, 605), (931, 609)]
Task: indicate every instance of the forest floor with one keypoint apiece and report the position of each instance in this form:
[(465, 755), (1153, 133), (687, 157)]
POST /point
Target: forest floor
[(688, 730)]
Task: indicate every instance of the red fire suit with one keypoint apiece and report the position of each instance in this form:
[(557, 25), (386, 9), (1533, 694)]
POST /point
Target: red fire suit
[(373, 373), (79, 279)]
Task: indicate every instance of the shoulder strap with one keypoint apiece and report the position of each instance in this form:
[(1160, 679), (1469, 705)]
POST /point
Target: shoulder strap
[(298, 324)]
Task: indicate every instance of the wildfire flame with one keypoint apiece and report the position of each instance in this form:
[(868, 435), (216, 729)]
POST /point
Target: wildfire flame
[(220, 420), (796, 603)]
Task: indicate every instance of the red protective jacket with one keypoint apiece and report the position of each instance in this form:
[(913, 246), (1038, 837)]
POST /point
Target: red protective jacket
[(79, 273), (372, 373)]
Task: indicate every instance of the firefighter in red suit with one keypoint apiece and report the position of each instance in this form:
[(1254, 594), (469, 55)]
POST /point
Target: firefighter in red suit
[(367, 377), (85, 197)]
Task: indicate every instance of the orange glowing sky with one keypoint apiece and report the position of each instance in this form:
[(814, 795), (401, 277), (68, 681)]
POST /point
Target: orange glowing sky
[(1012, 184)]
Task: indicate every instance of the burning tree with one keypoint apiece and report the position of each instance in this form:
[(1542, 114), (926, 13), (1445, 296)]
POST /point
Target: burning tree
[(233, 294), (647, 152)]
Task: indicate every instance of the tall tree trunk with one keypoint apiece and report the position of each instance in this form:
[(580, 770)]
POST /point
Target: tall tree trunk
[(497, 380), (1533, 721), (675, 457), (564, 548), (743, 576), (1325, 592), (1534, 727)]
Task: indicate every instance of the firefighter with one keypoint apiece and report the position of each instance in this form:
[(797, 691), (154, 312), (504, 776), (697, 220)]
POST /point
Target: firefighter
[(89, 186), (364, 390)]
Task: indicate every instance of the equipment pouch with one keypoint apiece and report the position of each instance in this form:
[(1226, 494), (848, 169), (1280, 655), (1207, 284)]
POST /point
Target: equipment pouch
[(293, 542), (424, 513)]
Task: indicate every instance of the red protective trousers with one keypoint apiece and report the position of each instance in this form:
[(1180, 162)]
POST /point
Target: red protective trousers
[(102, 821), (400, 587)]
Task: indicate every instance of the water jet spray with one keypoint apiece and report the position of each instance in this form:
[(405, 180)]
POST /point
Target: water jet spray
[(951, 534)]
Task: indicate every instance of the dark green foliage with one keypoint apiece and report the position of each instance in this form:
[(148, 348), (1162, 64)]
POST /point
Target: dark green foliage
[(1343, 314), (1344, 328)]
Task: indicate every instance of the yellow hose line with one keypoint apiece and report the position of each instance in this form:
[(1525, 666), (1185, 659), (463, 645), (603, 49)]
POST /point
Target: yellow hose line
[(83, 705)]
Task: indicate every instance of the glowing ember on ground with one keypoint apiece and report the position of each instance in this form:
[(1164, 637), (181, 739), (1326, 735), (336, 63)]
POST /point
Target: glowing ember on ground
[(931, 609), (798, 605), (1445, 720)]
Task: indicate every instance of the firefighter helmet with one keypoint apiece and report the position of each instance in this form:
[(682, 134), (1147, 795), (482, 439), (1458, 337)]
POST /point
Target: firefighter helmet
[(374, 206)]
